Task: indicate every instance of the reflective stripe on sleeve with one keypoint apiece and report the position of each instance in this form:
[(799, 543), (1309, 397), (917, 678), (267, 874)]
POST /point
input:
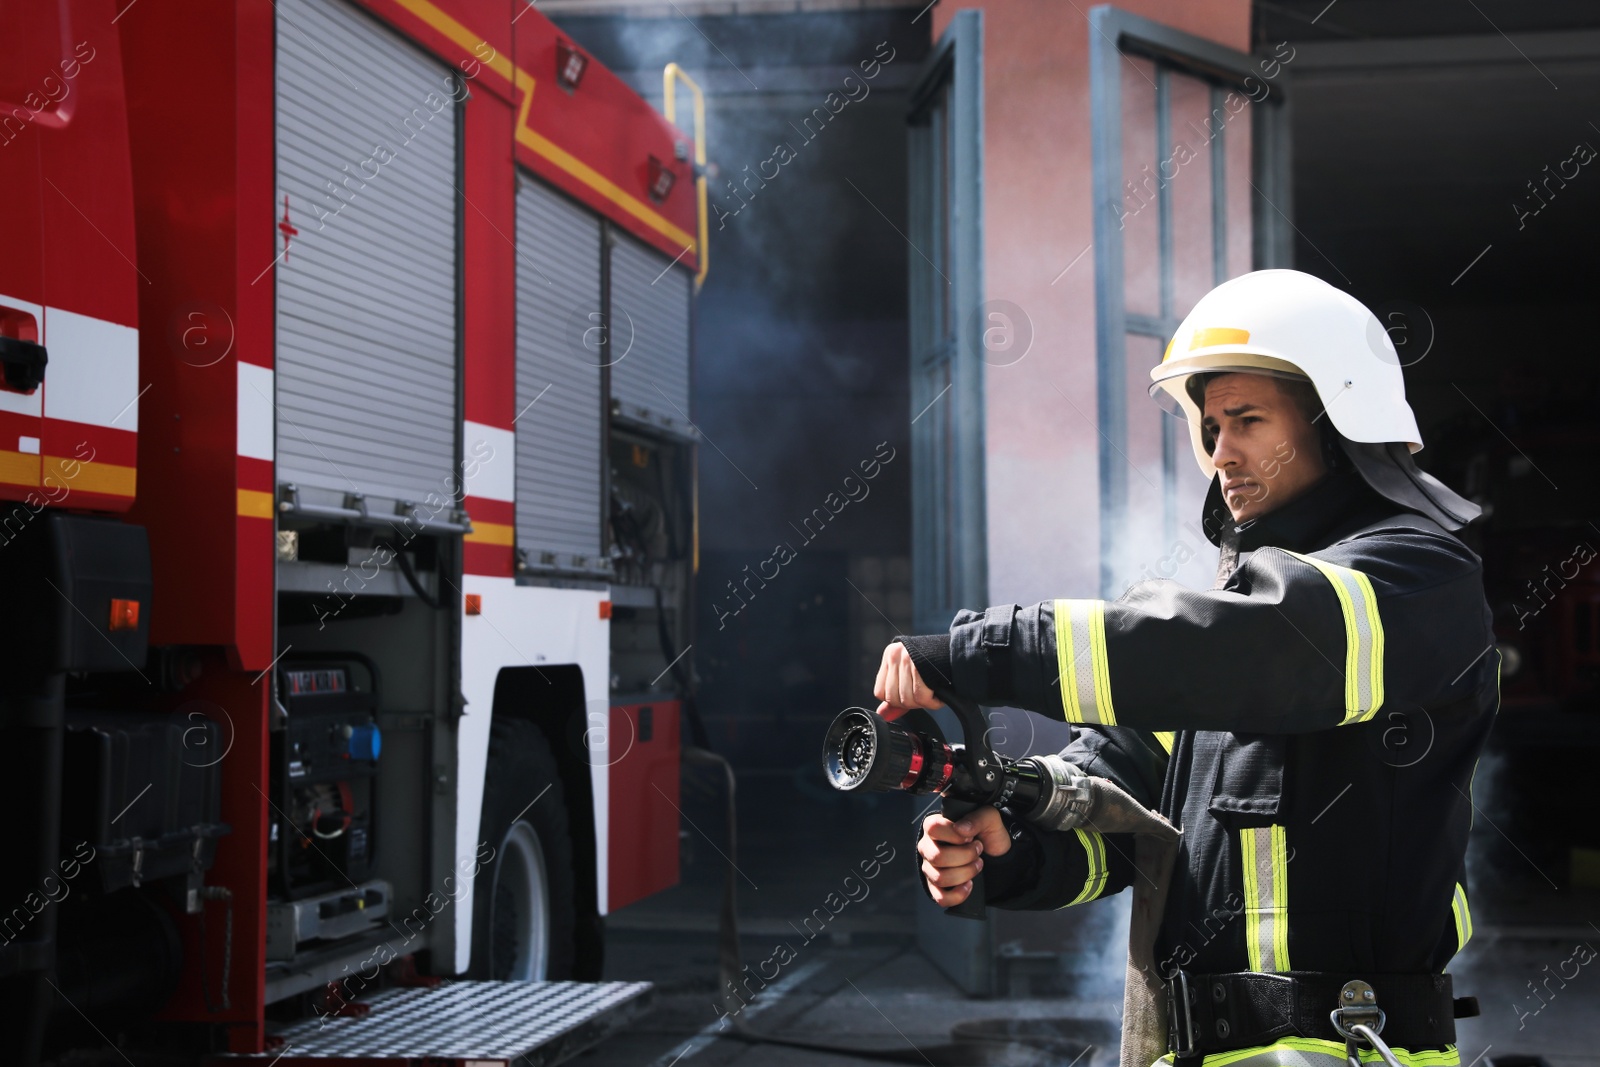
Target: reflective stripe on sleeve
[(1081, 657), (1363, 632), (1164, 739), (1262, 854), (1458, 907), (1094, 847)]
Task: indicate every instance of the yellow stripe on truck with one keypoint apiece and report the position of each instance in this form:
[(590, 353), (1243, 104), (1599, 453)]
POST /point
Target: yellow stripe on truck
[(255, 504), (19, 468), (89, 477), (521, 80), (492, 533)]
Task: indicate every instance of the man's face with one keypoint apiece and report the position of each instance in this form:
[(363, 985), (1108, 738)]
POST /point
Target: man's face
[(1266, 451)]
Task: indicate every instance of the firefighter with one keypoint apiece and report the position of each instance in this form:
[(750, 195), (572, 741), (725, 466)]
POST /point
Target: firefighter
[(1311, 723)]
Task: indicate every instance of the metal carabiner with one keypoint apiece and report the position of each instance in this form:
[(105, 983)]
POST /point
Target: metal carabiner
[(1371, 1035)]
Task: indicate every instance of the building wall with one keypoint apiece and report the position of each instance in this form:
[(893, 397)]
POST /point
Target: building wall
[(1042, 443)]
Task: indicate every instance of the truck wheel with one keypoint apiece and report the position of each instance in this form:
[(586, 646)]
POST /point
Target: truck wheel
[(523, 911)]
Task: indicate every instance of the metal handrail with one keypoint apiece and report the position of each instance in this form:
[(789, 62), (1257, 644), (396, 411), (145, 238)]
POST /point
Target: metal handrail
[(670, 78)]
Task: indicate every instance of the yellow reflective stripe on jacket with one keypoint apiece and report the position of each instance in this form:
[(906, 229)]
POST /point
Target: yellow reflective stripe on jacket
[(1081, 657), (1458, 907), (1262, 853), (1315, 1052), (1363, 632), (1164, 739), (1094, 847)]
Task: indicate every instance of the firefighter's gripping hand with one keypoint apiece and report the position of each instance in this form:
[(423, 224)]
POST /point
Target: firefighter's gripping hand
[(952, 852), (899, 686)]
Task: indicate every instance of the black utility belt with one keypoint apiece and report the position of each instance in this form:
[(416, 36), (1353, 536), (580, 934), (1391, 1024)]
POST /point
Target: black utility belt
[(1223, 1012)]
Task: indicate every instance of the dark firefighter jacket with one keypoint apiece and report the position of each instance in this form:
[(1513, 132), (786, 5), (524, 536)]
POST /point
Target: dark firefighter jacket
[(1312, 727)]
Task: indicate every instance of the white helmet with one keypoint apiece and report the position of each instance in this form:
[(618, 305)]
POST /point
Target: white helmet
[(1293, 325)]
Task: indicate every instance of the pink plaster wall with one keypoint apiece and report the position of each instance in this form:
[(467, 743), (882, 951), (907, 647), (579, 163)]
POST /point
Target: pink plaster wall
[(1042, 473)]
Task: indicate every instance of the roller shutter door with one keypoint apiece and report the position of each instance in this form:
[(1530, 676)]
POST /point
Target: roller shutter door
[(650, 329), (366, 296), (558, 381)]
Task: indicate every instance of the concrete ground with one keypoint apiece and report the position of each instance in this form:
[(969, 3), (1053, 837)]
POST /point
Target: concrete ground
[(863, 985), (882, 999)]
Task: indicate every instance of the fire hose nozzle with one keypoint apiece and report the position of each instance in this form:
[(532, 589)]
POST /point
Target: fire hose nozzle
[(1064, 794)]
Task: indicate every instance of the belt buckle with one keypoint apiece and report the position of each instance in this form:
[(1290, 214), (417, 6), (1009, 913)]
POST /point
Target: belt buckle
[(1182, 1037)]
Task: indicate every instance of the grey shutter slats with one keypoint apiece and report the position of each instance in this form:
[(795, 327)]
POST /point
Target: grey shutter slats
[(366, 297), (558, 436), (650, 336)]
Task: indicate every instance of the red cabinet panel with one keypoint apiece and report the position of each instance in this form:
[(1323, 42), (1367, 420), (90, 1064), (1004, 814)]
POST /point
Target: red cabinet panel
[(643, 839)]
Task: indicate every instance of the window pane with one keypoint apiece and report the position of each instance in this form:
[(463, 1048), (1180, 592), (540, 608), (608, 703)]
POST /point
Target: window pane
[(1187, 170), (1145, 526), (1141, 226), (1238, 140)]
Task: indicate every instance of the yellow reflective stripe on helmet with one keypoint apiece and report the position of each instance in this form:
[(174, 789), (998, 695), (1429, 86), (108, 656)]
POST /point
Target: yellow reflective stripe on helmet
[(1081, 657), (1363, 631), (1094, 847), (1463, 915), (1212, 336), (1262, 855), (1316, 1052)]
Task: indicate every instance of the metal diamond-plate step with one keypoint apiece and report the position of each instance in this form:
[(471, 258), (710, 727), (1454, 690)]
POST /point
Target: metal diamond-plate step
[(487, 1023)]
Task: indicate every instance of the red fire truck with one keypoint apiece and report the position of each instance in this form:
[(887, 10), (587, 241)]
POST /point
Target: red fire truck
[(346, 525)]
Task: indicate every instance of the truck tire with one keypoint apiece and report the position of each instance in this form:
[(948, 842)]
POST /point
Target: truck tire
[(524, 908)]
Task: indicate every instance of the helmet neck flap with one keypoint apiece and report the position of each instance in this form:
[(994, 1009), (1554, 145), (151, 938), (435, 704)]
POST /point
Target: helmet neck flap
[(1394, 475)]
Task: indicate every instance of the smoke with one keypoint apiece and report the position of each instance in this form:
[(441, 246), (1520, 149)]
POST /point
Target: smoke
[(1105, 936), (801, 353), (732, 50)]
